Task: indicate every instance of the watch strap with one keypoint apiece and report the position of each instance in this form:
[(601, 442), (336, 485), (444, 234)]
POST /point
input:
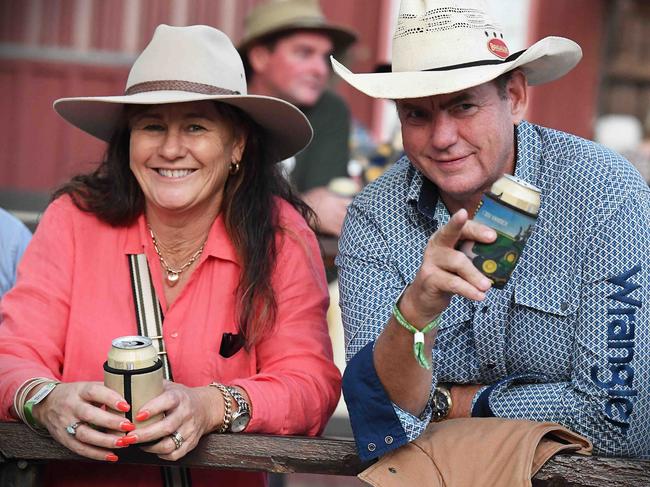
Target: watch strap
[(242, 403)]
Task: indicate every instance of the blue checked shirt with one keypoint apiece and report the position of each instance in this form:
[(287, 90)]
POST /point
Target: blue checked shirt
[(14, 237), (568, 338)]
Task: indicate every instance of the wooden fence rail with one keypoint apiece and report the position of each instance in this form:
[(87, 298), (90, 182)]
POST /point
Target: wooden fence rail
[(21, 452)]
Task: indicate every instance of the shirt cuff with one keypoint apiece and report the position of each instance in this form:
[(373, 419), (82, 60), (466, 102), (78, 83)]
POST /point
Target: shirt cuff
[(481, 407), (481, 403), (412, 425), (376, 426)]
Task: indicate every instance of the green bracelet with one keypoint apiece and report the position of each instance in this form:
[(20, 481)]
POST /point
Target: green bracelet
[(37, 398), (418, 336)]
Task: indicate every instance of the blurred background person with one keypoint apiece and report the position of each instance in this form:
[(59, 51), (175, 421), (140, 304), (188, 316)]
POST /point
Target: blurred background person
[(191, 181), (626, 134), (286, 46), (14, 237)]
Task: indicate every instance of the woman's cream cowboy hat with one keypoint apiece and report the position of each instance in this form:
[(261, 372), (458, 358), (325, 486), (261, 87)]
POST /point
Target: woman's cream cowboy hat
[(444, 46), (278, 16), (183, 64)]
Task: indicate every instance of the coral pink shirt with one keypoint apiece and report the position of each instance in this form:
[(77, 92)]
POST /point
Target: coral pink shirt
[(73, 296)]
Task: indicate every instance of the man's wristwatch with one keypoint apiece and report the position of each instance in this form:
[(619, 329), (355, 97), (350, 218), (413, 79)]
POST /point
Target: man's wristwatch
[(440, 403), (242, 415)]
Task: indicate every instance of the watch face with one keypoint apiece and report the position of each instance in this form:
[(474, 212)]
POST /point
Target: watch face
[(239, 423), (440, 401), (440, 405)]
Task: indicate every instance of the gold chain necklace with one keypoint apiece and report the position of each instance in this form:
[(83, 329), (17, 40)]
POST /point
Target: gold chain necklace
[(174, 274)]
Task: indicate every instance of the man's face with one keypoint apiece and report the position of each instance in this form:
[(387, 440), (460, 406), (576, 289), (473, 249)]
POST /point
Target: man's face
[(296, 68), (464, 141)]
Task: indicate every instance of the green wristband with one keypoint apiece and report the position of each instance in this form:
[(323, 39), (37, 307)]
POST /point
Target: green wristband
[(35, 399), (418, 336)]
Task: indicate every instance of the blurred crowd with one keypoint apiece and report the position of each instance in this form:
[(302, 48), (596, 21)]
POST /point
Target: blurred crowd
[(629, 136)]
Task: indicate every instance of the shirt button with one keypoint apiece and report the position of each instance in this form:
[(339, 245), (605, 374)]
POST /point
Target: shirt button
[(485, 309), (372, 447), (174, 334), (388, 440), (491, 364), (564, 306)]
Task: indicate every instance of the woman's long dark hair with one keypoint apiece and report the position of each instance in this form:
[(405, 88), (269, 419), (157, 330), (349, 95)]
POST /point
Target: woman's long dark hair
[(250, 213)]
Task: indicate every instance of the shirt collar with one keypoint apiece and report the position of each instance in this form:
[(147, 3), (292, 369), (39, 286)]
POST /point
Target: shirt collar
[(529, 149), (423, 194), (218, 244)]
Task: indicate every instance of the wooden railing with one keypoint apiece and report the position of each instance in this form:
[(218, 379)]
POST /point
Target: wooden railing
[(22, 451)]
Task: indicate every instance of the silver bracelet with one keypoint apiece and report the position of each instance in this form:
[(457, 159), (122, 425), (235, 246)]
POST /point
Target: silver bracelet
[(22, 392), (20, 398)]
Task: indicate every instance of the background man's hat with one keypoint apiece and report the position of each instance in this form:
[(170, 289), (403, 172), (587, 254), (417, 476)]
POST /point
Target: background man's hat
[(444, 46), (278, 16), (184, 64)]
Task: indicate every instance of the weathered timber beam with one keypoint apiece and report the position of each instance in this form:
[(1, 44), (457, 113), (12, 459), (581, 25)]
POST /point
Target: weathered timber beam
[(297, 454), (573, 470), (279, 454)]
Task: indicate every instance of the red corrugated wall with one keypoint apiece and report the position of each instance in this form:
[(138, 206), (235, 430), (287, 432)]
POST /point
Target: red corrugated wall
[(570, 103), (53, 48), (39, 150)]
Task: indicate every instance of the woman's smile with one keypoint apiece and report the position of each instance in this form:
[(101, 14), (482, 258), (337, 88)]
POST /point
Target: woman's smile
[(174, 173)]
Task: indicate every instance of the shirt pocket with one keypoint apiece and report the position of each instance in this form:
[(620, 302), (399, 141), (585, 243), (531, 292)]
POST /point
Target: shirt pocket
[(556, 294), (543, 321), (229, 359), (240, 364)]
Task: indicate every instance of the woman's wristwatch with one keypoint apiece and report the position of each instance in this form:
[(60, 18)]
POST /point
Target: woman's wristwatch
[(240, 416)]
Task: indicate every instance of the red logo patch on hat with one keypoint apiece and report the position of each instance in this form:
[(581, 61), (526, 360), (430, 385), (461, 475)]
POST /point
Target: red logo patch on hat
[(498, 48)]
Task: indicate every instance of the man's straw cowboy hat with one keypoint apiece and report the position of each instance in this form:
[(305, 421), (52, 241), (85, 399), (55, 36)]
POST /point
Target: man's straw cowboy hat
[(279, 16), (184, 64), (445, 46)]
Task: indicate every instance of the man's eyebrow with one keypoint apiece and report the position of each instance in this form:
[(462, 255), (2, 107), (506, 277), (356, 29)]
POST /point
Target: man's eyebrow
[(457, 100)]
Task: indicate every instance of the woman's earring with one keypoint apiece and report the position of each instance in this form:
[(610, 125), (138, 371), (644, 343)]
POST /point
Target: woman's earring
[(234, 167)]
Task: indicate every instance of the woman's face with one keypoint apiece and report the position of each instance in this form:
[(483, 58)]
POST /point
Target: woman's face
[(180, 153)]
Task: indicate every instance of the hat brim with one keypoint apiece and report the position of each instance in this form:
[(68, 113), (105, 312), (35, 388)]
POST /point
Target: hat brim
[(544, 61), (341, 37), (287, 128)]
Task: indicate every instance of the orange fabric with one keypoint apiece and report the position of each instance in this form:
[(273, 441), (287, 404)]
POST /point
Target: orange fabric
[(490, 452), (73, 296)]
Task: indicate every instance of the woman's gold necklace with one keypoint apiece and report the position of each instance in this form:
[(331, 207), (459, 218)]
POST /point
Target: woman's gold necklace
[(173, 275)]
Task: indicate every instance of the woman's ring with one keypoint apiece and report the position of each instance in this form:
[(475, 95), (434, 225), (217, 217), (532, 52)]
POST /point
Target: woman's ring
[(72, 428), (178, 439)]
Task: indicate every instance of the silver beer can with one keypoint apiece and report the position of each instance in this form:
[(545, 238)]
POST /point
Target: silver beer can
[(510, 208), (134, 370)]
